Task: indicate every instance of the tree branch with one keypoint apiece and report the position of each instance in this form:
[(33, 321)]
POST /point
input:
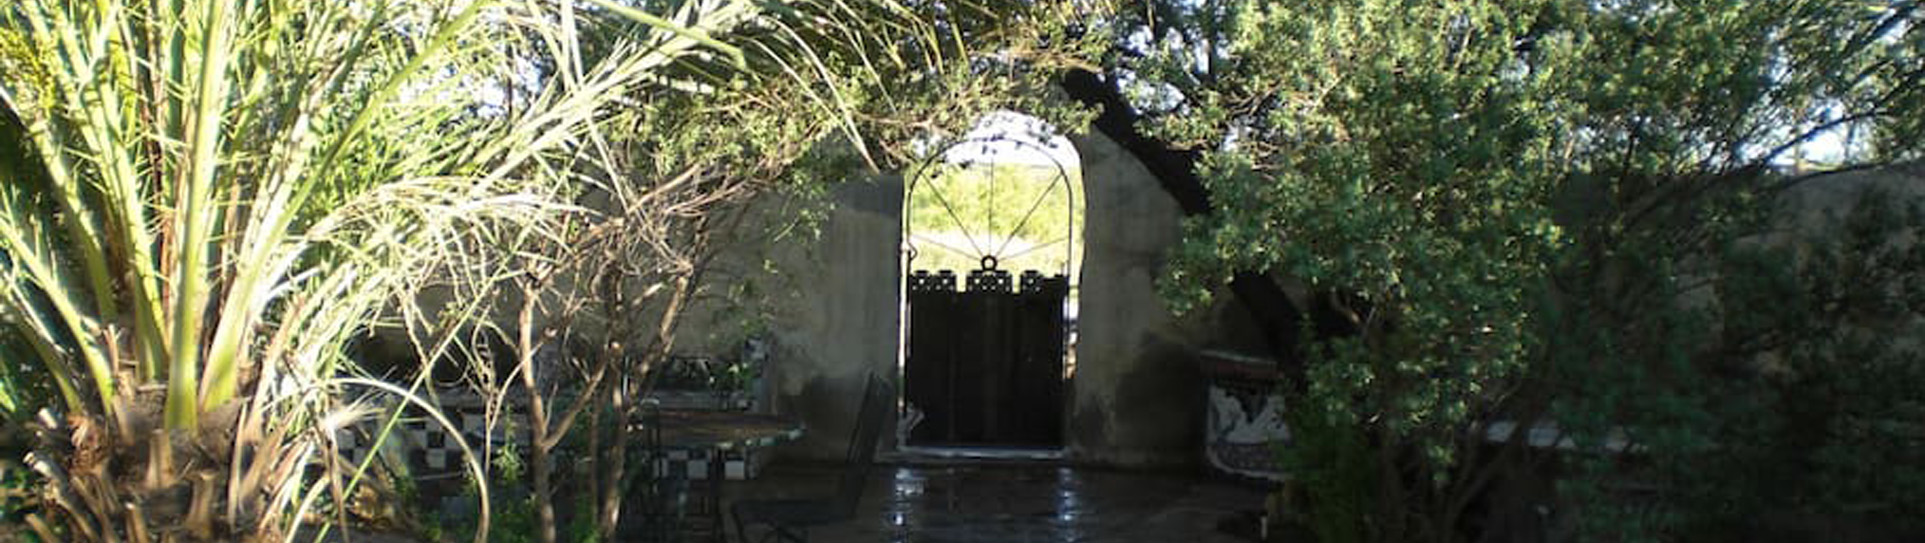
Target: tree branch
[(1175, 170)]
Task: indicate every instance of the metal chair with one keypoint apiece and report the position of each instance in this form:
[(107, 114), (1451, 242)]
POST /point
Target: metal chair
[(790, 520), (663, 492)]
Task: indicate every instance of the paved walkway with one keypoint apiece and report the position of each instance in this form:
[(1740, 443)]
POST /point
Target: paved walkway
[(990, 503)]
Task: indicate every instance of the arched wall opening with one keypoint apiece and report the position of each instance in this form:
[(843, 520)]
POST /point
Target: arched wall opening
[(991, 257), (832, 304)]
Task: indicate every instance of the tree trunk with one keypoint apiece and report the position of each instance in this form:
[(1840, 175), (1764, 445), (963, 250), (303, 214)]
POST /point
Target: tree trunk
[(597, 490), (537, 418), (616, 463)]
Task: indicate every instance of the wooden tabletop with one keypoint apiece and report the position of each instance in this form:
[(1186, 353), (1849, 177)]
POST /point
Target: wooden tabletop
[(726, 430)]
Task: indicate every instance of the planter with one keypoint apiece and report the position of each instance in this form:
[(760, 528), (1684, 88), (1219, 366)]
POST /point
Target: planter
[(1245, 427)]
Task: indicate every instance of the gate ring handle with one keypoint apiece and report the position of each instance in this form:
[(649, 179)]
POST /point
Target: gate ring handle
[(988, 262)]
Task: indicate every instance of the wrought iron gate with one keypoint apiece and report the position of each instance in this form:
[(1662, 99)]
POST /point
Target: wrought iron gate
[(984, 364)]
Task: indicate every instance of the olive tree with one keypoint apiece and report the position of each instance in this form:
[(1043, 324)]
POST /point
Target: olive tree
[(1496, 199)]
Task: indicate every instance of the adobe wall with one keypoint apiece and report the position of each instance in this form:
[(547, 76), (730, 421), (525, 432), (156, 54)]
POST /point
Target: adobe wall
[(1137, 396)]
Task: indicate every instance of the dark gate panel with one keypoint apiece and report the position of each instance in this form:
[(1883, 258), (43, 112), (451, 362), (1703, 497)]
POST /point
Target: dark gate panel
[(985, 365), (929, 373), (1039, 378)]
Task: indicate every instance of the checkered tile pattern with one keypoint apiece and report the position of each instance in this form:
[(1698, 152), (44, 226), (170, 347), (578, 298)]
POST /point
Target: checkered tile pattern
[(425, 443), (429, 452), (694, 463)]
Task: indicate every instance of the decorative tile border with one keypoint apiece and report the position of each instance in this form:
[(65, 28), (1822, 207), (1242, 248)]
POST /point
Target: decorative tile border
[(431, 454)]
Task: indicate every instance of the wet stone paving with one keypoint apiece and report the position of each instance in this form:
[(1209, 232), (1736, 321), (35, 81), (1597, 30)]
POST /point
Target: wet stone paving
[(1023, 504)]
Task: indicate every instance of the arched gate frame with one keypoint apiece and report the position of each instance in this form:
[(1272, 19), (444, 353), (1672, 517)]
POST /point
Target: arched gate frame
[(984, 366)]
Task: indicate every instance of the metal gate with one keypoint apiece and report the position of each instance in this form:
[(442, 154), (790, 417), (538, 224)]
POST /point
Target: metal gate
[(984, 364)]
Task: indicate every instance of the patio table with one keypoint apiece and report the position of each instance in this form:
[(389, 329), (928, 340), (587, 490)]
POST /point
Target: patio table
[(726, 430), (719, 431)]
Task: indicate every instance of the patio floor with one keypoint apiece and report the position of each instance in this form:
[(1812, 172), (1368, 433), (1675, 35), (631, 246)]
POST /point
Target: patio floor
[(1022, 503)]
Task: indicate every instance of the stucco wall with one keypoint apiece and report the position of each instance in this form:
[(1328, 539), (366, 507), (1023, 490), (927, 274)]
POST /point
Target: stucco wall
[(1818, 209), (1137, 396), (838, 320)]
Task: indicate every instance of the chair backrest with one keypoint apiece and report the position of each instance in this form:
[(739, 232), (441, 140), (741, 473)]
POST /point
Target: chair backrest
[(876, 398)]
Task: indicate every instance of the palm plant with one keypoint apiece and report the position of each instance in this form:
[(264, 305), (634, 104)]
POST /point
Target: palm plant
[(213, 197)]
